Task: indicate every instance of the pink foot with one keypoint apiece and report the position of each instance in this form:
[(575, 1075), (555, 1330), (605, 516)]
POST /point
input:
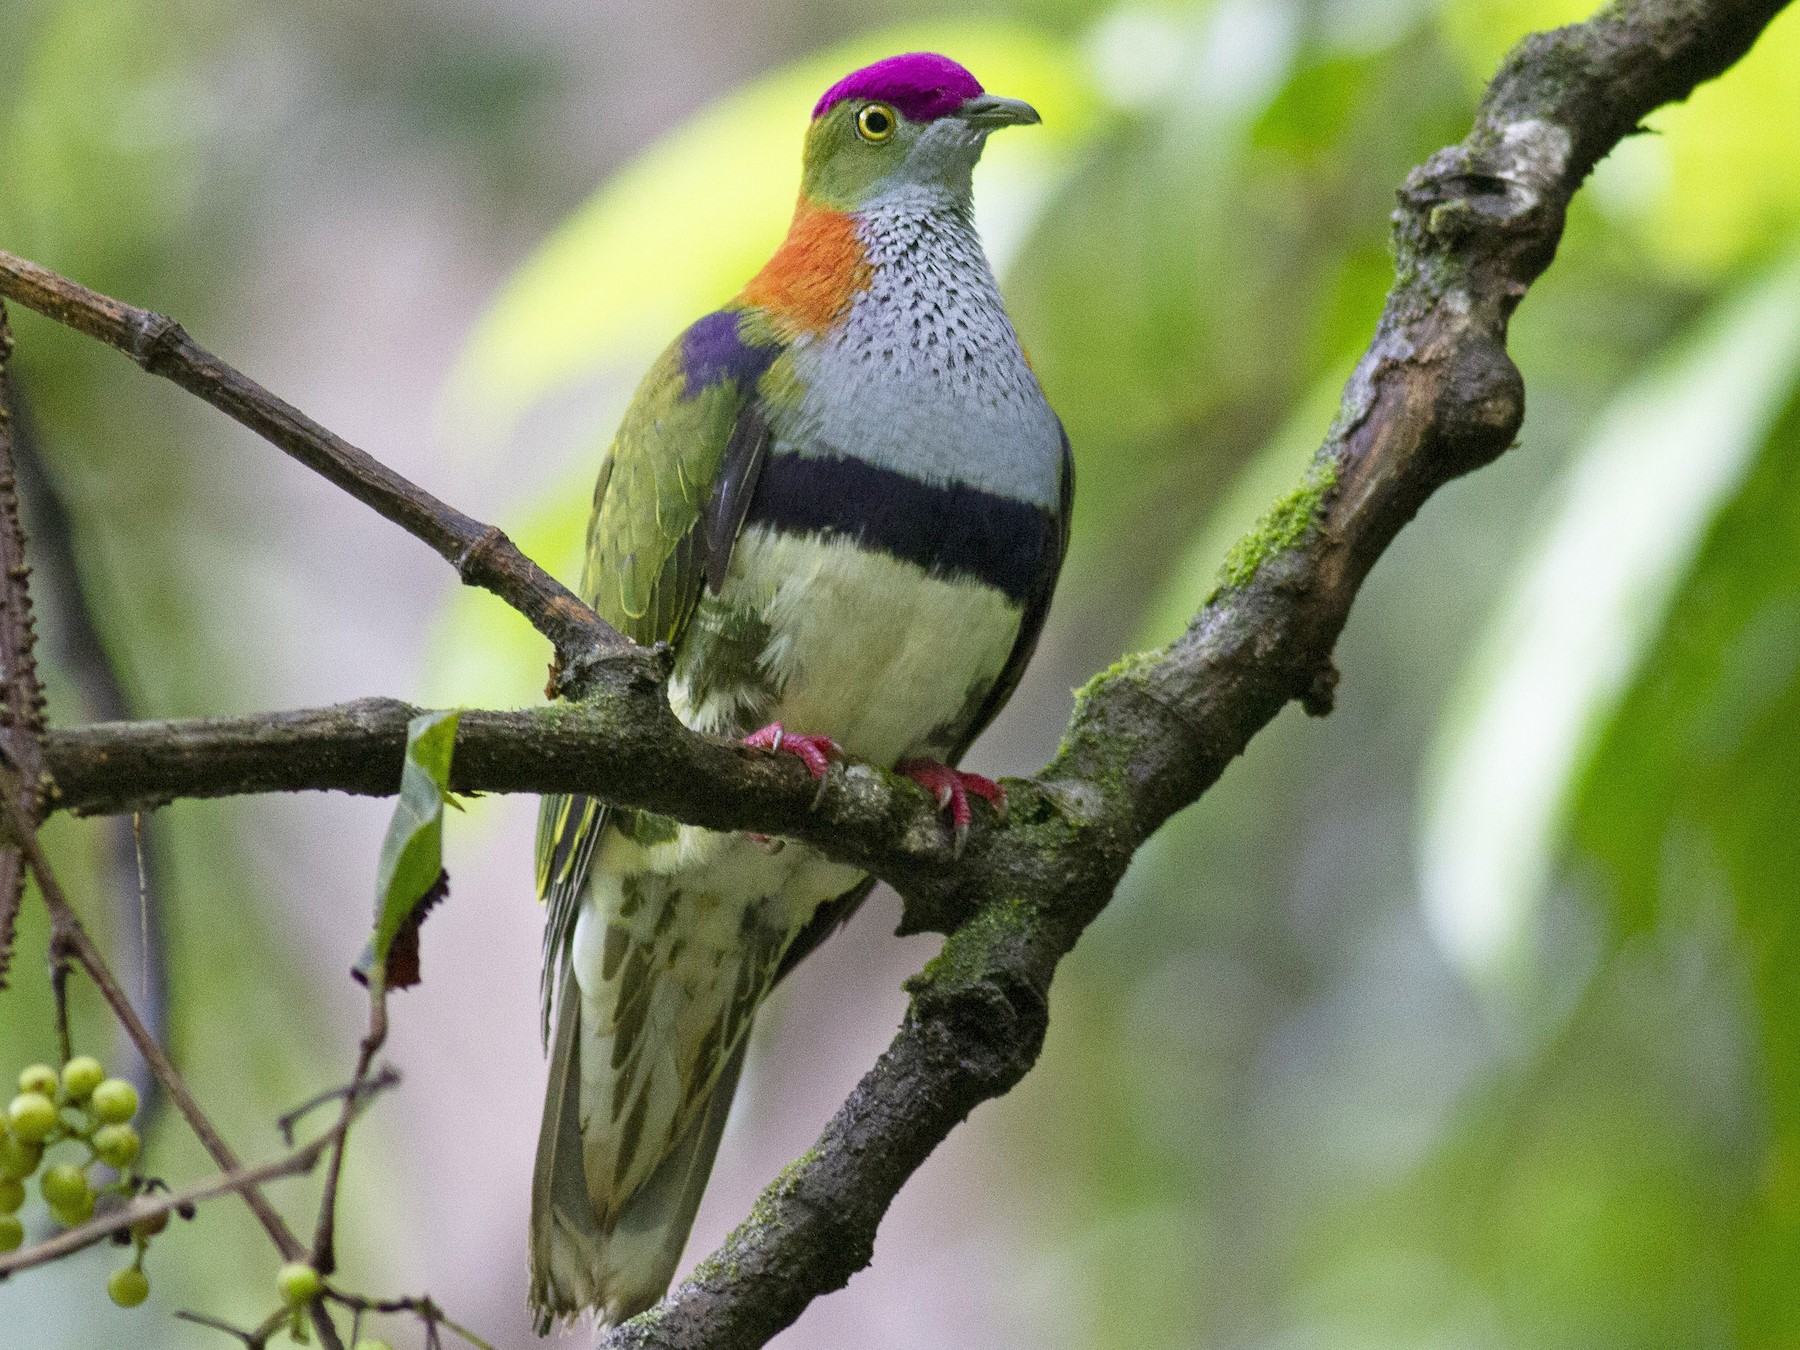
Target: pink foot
[(816, 752), (952, 787)]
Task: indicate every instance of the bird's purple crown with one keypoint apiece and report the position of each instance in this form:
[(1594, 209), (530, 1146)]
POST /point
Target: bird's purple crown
[(920, 85)]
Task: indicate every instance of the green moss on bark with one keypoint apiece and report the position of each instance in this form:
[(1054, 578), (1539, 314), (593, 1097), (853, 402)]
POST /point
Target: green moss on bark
[(1282, 527), (967, 955)]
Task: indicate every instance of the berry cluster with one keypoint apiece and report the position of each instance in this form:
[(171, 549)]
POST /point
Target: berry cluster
[(82, 1105)]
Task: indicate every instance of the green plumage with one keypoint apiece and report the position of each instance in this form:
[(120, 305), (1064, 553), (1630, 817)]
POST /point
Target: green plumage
[(648, 551), (668, 502)]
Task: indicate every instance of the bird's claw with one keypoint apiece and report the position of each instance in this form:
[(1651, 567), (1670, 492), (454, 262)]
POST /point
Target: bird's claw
[(952, 787), (816, 752)]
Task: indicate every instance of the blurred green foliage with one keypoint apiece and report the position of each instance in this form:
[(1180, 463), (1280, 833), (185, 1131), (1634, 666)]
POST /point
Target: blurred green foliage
[(1279, 1106), (1685, 816), (1635, 506)]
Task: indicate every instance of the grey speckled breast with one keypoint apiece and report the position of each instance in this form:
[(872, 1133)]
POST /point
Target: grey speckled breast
[(926, 377)]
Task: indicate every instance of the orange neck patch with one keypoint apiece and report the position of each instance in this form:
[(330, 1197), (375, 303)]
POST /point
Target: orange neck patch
[(815, 274)]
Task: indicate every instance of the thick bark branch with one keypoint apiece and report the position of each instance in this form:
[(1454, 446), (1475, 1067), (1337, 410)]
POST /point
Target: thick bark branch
[(1434, 397), (482, 555), (622, 743)]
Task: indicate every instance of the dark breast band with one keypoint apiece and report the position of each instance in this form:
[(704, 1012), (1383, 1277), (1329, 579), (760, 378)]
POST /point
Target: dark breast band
[(948, 530)]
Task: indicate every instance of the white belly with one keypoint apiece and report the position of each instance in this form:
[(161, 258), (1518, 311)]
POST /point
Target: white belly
[(862, 647)]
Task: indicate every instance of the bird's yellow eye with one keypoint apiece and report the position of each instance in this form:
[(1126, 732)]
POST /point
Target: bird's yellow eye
[(876, 122)]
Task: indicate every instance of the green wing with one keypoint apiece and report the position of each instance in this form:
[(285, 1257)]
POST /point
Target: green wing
[(669, 502)]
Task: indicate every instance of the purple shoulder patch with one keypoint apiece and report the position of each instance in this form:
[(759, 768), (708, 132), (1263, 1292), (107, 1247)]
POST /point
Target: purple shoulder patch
[(712, 352), (921, 85)]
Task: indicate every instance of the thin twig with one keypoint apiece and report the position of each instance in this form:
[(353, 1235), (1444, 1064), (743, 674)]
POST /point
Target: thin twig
[(324, 1246), (133, 855), (289, 1119), (482, 555), (253, 1340), (61, 959), (21, 694), (465, 1333), (422, 1306)]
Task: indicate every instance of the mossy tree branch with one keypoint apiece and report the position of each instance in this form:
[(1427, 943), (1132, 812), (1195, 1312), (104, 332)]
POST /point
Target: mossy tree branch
[(1435, 396), (621, 742)]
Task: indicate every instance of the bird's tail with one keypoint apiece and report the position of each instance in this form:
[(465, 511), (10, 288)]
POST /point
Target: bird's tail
[(643, 1066)]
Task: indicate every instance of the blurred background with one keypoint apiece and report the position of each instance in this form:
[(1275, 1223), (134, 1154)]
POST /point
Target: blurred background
[(1468, 1017)]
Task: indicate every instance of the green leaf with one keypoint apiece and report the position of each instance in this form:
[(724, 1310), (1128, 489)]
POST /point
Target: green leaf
[(1571, 639), (410, 875)]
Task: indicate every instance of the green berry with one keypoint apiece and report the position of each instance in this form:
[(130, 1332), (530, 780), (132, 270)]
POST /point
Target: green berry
[(117, 1145), (18, 1159), (80, 1076), (33, 1116), (64, 1186), (128, 1286), (115, 1101), (39, 1078), (299, 1284), (12, 1233), (12, 1195)]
